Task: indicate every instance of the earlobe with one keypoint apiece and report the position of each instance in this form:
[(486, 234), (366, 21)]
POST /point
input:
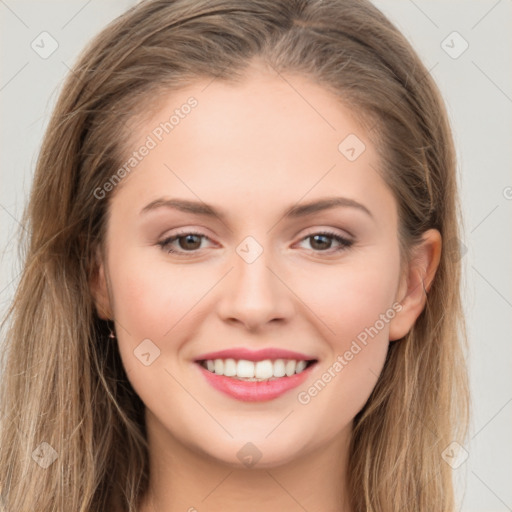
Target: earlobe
[(416, 282), (99, 290)]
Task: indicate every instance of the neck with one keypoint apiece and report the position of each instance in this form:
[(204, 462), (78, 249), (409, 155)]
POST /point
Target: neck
[(182, 479)]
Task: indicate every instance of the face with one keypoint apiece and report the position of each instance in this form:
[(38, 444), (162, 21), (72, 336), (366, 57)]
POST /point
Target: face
[(275, 274)]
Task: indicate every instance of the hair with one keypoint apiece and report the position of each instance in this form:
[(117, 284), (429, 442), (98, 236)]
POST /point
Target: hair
[(64, 384)]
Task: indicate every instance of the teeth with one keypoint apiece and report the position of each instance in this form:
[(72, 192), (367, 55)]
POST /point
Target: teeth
[(300, 366), (229, 367), (244, 369), (279, 368), (259, 370), (219, 366), (264, 369), (290, 367)]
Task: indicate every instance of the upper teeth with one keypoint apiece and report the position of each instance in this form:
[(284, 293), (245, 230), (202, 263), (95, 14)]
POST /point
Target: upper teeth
[(260, 370)]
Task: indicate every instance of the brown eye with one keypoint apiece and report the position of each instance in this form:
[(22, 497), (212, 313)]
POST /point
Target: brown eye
[(323, 242), (189, 242), (320, 242), (183, 243)]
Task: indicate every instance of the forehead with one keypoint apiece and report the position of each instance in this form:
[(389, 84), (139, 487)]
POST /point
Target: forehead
[(271, 137), (263, 106)]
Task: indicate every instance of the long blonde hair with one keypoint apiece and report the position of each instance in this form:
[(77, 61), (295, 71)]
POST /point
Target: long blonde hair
[(72, 428)]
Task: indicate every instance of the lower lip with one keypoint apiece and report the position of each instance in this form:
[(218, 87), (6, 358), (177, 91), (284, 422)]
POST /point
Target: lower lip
[(252, 391)]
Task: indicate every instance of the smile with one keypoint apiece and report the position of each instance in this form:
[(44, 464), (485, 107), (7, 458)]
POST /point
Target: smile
[(255, 371), (255, 381)]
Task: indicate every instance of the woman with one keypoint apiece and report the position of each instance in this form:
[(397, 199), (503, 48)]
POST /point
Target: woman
[(241, 285)]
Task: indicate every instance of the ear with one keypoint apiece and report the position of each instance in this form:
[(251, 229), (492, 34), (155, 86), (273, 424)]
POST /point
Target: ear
[(415, 282), (99, 289)]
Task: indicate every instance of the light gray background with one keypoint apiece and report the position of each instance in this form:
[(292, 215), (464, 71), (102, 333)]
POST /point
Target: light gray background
[(477, 87)]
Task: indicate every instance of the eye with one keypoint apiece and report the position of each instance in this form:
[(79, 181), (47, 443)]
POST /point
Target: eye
[(322, 242), (188, 242)]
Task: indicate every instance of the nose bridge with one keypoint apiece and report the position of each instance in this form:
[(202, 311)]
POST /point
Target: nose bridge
[(253, 276), (253, 295)]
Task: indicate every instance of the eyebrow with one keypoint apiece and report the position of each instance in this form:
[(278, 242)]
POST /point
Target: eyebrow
[(295, 211)]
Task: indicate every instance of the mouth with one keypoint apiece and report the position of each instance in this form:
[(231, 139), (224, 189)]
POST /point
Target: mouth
[(255, 381), (256, 371)]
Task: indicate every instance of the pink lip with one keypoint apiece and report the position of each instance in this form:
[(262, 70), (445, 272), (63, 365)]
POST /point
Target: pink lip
[(248, 391), (256, 355)]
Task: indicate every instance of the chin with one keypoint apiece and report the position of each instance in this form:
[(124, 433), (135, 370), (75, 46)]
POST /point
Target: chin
[(258, 453)]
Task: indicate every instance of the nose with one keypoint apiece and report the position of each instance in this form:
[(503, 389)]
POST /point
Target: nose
[(254, 294)]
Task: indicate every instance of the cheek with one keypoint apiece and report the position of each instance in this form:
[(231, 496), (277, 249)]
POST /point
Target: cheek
[(352, 296), (355, 302), (154, 301), (158, 302), (152, 296)]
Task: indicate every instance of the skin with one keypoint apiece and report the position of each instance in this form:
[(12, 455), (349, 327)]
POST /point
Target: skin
[(252, 150)]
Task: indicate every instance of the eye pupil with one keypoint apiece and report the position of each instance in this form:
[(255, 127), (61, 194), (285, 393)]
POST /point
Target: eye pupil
[(190, 239), (326, 239)]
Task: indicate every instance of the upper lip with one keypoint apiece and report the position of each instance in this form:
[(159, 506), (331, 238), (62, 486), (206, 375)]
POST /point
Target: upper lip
[(254, 355)]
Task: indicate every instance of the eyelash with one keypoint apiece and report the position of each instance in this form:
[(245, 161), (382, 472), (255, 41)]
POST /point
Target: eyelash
[(345, 243)]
